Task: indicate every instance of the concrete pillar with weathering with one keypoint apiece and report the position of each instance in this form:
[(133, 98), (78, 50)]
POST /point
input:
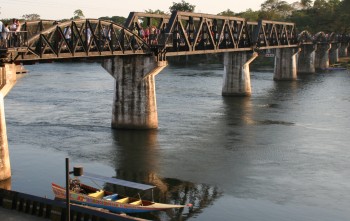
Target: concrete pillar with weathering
[(306, 58), (135, 105), (343, 50), (286, 64), (322, 56), (7, 81), (334, 53), (237, 74)]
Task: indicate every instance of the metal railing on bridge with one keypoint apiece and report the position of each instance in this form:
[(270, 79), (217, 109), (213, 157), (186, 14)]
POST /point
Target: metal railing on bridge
[(181, 33), (185, 33), (73, 39)]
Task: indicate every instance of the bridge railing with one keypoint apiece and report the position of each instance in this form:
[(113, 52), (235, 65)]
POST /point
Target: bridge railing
[(32, 28), (186, 32), (15, 39), (77, 38), (274, 34), (180, 33)]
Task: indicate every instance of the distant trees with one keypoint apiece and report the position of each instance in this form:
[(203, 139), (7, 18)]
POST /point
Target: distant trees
[(150, 11), (182, 6), (314, 16), (323, 15), (31, 17), (343, 16), (78, 14), (249, 14), (275, 10), (306, 3), (228, 12), (115, 19)]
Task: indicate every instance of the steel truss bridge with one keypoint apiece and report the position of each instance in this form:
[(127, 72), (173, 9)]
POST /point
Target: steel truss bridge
[(181, 33)]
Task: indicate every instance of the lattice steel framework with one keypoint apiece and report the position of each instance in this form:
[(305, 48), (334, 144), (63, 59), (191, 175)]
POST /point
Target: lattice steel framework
[(181, 33), (275, 34), (77, 39), (196, 33)]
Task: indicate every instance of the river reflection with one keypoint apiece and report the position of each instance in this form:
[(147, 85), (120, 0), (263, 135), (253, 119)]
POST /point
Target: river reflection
[(277, 155), (137, 160)]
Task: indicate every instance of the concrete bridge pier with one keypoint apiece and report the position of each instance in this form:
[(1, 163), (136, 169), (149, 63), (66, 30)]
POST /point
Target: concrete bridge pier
[(135, 105), (334, 53), (285, 64), (322, 56), (7, 81), (343, 50), (237, 74), (306, 58)]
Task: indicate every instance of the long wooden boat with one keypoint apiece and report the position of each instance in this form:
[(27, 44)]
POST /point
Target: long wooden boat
[(90, 196)]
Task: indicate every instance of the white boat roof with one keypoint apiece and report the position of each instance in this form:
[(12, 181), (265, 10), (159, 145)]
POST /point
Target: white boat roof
[(116, 181)]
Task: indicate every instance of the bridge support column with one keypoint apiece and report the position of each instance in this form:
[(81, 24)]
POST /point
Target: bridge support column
[(7, 81), (343, 50), (306, 58), (237, 74), (334, 53), (286, 64), (135, 105), (322, 56)]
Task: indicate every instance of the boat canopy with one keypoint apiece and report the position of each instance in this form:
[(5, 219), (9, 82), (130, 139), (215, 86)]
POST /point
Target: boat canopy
[(120, 182)]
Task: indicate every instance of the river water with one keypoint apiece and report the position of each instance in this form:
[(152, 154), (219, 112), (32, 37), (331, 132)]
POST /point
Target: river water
[(281, 154)]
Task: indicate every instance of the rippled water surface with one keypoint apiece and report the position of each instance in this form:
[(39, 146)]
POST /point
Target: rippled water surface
[(282, 154)]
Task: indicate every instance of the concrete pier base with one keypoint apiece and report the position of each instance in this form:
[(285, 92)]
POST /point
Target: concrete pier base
[(334, 53), (5, 168), (343, 50), (7, 81), (322, 56), (306, 59), (237, 74), (285, 64), (135, 105)]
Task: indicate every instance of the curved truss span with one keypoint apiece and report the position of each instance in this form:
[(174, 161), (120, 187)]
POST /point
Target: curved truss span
[(305, 37), (80, 39), (321, 37)]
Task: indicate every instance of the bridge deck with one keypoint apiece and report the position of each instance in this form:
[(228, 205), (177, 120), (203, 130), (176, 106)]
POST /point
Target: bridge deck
[(181, 33)]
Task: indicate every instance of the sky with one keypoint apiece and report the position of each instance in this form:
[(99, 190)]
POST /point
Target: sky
[(60, 9)]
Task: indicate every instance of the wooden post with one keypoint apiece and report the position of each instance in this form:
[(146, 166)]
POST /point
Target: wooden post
[(67, 191)]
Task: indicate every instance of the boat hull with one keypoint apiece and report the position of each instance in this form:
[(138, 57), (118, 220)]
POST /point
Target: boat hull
[(112, 206)]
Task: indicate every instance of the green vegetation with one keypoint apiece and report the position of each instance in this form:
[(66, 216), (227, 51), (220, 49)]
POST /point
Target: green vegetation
[(115, 19), (314, 16), (31, 17), (182, 6), (78, 14)]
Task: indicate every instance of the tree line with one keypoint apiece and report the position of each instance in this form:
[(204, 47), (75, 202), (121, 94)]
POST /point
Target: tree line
[(314, 16)]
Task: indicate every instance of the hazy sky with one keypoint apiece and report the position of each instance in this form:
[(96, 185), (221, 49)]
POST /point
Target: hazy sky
[(59, 9)]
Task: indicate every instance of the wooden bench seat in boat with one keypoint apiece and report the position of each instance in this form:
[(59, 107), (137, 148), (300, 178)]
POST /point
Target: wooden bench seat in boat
[(137, 203), (99, 194), (123, 200)]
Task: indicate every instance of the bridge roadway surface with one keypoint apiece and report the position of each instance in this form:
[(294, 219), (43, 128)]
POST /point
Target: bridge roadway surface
[(14, 215)]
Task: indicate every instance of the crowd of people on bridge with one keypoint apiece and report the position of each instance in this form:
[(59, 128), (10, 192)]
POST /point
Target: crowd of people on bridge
[(10, 34), (148, 34)]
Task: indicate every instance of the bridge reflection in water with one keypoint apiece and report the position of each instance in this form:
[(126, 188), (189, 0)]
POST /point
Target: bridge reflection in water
[(137, 160)]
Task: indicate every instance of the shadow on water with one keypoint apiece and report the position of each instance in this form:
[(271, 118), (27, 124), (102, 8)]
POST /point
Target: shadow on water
[(137, 160)]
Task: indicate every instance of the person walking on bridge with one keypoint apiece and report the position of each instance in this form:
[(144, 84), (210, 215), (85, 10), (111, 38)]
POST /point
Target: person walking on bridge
[(4, 35), (13, 38), (1, 33)]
